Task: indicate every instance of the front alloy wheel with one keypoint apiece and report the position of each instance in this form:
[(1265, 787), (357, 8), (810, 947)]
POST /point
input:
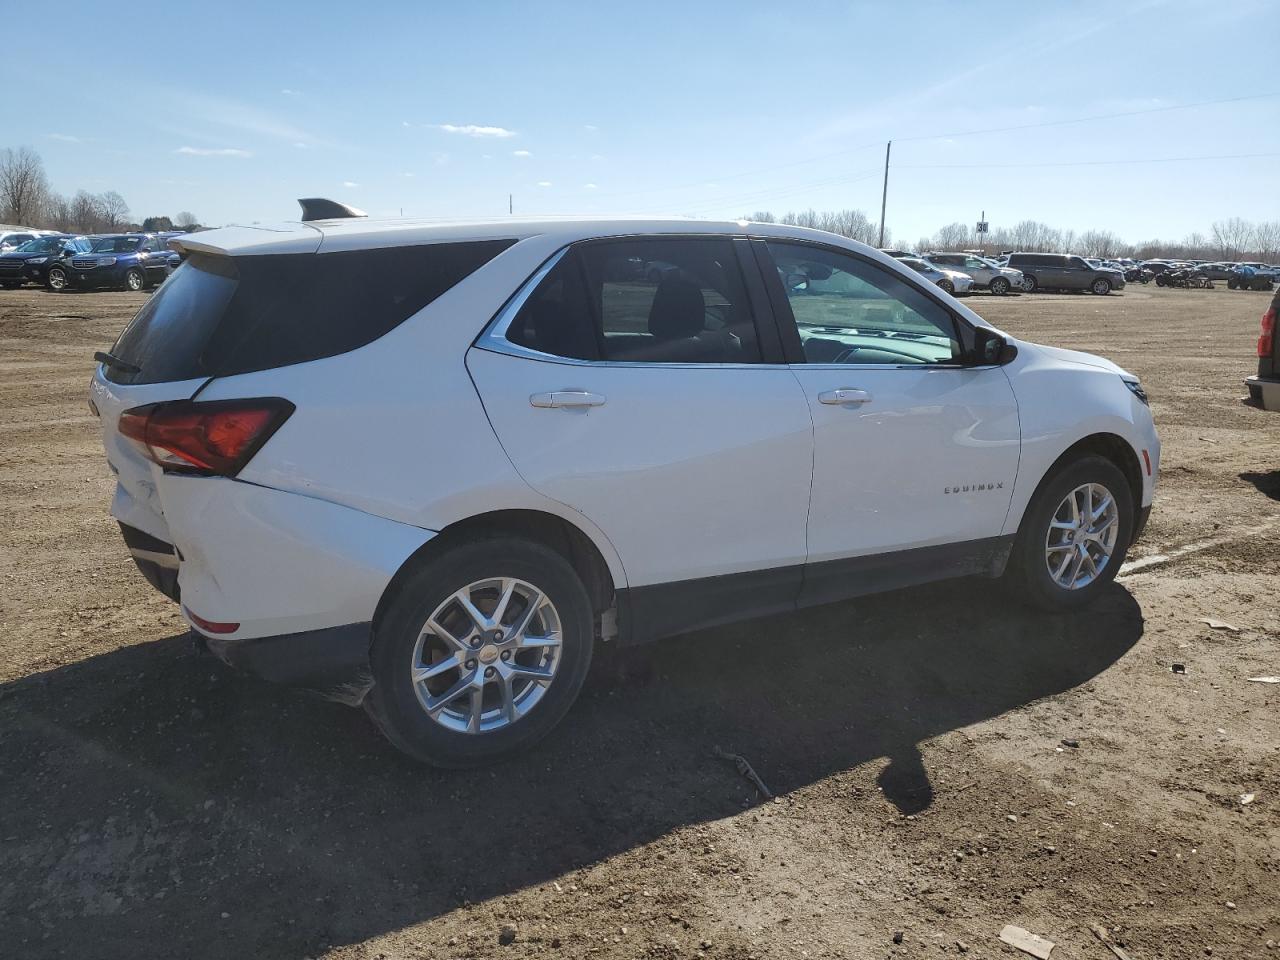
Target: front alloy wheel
[(1082, 536), (1101, 286), (57, 279), (947, 285), (1000, 286), (1073, 535), (134, 280)]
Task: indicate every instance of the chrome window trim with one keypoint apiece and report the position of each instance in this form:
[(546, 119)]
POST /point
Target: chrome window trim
[(494, 340)]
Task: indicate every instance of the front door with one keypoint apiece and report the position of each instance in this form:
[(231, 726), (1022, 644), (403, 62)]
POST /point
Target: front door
[(915, 453), (630, 383)]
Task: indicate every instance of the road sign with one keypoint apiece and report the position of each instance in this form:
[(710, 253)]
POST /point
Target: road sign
[(984, 226)]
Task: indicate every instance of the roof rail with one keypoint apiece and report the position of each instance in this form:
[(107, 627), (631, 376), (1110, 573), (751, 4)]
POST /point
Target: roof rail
[(321, 208)]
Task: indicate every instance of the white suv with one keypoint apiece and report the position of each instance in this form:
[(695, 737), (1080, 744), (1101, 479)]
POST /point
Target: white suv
[(425, 466)]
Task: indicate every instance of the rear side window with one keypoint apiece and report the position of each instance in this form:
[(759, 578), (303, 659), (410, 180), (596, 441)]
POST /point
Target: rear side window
[(218, 316), (644, 300)]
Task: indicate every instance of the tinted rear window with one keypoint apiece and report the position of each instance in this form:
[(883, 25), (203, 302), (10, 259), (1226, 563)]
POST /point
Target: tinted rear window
[(218, 316)]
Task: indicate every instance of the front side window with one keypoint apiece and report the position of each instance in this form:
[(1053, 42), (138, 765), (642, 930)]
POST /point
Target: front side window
[(647, 300), (847, 310)]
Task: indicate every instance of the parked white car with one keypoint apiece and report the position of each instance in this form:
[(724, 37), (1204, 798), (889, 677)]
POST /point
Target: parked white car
[(986, 274), (425, 466), (952, 281)]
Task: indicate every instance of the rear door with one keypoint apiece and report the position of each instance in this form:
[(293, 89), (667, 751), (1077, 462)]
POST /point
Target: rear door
[(652, 403)]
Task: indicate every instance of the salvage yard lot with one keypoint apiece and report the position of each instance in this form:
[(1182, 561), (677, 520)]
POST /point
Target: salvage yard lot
[(155, 803)]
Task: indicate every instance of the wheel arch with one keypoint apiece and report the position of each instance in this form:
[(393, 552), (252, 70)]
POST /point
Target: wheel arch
[(1110, 446), (548, 529)]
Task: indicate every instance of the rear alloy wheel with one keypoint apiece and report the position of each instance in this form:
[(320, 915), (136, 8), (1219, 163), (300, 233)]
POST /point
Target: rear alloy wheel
[(1101, 286), (1000, 286), (1074, 534), (135, 280), (947, 285), (480, 653), (1029, 283), (57, 281)]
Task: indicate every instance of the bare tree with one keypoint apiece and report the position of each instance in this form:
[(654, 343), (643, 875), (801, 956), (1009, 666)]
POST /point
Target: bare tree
[(23, 186), (1099, 243), (1232, 237), (954, 236), (115, 212), (760, 216), (86, 213), (1266, 240)]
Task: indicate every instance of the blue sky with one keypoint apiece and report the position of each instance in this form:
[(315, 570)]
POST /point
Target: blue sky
[(232, 110)]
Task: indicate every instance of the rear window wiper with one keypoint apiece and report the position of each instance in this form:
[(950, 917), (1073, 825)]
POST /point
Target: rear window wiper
[(111, 360)]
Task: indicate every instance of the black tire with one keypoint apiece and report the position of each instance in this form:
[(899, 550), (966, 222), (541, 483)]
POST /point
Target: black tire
[(393, 703), (135, 280), (1100, 287), (999, 286), (1029, 283), (947, 285), (1231, 283), (1028, 569), (57, 279), (1161, 281)]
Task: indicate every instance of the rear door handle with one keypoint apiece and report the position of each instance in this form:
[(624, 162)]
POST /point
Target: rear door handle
[(567, 398), (844, 395)]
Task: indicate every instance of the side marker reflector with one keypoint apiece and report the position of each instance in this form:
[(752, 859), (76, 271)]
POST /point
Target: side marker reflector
[(1146, 458)]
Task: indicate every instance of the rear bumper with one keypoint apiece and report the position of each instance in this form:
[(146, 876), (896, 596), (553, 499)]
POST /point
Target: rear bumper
[(333, 661), (1264, 392)]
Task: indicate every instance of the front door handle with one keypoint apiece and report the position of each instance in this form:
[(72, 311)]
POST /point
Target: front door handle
[(567, 398), (844, 395)]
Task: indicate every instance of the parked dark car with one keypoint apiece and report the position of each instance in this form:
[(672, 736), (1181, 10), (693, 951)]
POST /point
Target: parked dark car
[(124, 261), (30, 262), (1060, 271), (1264, 388)]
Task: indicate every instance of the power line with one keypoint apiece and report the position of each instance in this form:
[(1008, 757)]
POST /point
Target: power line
[(1077, 163), (938, 136), (1100, 116)]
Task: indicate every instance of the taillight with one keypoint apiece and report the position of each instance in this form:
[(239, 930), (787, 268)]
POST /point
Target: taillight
[(1266, 339), (210, 437)]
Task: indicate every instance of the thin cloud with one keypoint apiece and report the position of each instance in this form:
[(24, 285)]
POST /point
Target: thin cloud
[(596, 156), (544, 183), (476, 130), (213, 152), (234, 115), (64, 137), (590, 127), (290, 93), (350, 183), (588, 186), (521, 153)]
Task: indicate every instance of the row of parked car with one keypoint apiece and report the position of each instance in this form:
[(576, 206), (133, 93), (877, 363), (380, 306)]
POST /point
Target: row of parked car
[(960, 272), (59, 261)]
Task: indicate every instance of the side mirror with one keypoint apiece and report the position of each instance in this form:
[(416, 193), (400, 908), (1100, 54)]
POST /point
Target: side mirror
[(990, 348)]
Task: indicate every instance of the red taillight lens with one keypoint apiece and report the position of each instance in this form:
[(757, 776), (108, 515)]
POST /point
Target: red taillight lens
[(1266, 339), (215, 436)]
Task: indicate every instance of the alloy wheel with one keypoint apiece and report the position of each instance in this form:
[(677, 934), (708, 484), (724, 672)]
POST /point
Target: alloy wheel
[(487, 655), (57, 279), (1082, 536)]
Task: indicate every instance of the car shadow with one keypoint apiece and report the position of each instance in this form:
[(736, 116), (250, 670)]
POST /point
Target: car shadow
[(1266, 483), (154, 796)]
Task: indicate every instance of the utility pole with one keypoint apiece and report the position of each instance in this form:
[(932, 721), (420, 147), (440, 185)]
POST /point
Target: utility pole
[(510, 205), (884, 196)]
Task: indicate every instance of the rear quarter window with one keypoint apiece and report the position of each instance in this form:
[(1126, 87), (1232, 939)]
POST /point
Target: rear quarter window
[(219, 316)]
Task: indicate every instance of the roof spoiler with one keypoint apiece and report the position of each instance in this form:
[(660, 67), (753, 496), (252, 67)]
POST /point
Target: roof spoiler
[(320, 208)]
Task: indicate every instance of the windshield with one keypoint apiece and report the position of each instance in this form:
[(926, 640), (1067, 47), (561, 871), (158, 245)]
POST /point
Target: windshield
[(42, 245), (117, 244)]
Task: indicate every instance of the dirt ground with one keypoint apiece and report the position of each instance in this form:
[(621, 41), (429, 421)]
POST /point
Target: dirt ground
[(154, 803)]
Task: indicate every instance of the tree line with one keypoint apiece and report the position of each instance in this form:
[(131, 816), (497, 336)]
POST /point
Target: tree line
[(27, 200), (1231, 239)]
